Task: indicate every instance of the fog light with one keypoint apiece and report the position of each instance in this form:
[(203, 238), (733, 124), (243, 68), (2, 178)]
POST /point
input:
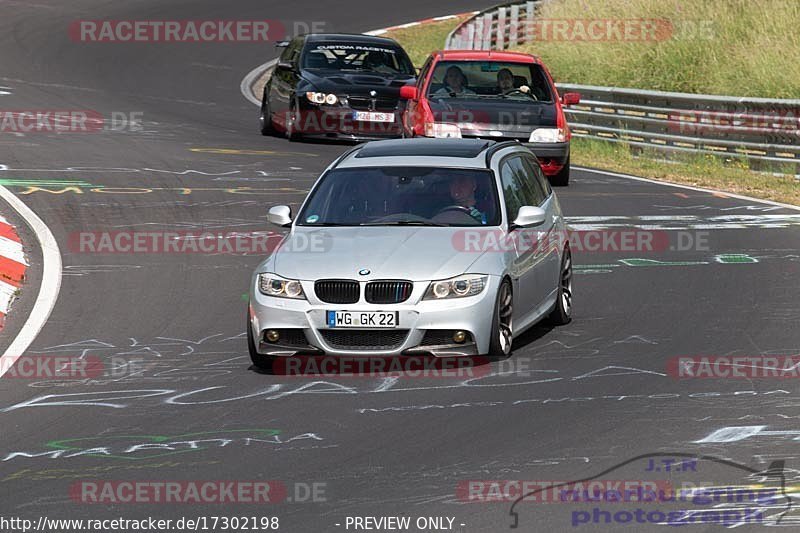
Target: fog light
[(273, 335), (459, 336)]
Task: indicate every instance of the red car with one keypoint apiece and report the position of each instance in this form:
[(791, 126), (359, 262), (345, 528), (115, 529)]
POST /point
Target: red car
[(492, 95)]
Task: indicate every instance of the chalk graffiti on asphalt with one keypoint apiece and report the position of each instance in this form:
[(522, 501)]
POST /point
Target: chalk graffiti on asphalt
[(143, 447)]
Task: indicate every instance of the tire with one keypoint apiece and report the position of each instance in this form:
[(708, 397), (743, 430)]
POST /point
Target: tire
[(562, 312), (562, 178), (260, 361), (500, 343), (266, 117), (290, 133)]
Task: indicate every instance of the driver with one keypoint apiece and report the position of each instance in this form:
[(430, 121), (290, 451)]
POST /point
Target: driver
[(462, 192), (505, 81)]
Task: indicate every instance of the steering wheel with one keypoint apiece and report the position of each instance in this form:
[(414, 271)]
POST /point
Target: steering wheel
[(459, 208), (519, 91)]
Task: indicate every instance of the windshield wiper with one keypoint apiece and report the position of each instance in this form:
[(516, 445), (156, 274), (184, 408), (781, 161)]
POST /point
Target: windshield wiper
[(404, 223), (327, 225)]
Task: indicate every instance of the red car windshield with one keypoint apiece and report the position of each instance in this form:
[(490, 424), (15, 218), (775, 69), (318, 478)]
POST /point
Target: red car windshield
[(490, 79)]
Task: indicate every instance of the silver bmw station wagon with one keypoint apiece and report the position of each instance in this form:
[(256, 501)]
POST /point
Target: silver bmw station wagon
[(442, 247)]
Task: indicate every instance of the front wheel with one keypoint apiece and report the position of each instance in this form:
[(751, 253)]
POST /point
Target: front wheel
[(502, 324), (266, 117), (562, 312), (260, 361)]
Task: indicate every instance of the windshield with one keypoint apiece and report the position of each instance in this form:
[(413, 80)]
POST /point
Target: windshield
[(358, 57), (522, 82), (395, 196)]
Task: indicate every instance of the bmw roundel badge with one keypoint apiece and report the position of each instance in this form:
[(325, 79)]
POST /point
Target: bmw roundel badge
[(363, 272)]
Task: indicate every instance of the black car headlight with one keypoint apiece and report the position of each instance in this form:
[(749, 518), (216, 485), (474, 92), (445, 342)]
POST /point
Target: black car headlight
[(274, 285), (458, 287), (322, 98)]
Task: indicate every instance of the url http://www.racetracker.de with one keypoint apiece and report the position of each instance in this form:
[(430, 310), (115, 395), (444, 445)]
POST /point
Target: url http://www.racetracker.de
[(200, 523)]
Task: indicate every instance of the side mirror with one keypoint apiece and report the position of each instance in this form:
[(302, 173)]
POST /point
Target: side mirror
[(408, 92), (529, 215), (571, 98), (280, 215), (284, 65)]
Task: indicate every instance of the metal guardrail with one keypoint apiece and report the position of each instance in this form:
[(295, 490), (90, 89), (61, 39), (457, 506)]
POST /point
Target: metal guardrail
[(765, 132)]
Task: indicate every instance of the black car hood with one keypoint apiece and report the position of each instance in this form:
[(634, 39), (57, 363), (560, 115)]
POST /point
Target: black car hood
[(503, 115), (361, 83)]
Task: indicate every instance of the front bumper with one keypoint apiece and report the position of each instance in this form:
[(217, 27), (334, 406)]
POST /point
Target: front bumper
[(337, 122), (423, 325)]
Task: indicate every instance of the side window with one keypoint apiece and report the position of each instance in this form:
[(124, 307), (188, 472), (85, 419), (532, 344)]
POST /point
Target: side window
[(530, 191), (537, 176), (423, 74), (511, 193), (517, 190), (292, 52)]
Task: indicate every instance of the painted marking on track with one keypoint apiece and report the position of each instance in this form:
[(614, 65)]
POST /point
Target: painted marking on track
[(734, 258), (50, 286), (683, 222), (234, 151), (681, 195), (638, 262)]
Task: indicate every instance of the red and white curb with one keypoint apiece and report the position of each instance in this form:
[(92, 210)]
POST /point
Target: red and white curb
[(419, 23), (12, 267), (16, 264)]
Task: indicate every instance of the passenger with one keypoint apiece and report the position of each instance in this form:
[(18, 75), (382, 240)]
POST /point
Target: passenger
[(455, 83)]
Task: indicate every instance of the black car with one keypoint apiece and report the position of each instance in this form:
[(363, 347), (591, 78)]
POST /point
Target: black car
[(336, 86)]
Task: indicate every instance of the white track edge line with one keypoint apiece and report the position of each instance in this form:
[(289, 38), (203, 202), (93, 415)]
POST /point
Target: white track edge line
[(688, 187), (49, 288), (250, 78)]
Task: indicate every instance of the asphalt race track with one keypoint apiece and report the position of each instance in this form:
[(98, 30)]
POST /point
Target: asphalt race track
[(572, 402)]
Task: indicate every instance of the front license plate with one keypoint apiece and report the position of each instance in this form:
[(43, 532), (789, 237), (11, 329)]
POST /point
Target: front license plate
[(363, 319), (371, 116)]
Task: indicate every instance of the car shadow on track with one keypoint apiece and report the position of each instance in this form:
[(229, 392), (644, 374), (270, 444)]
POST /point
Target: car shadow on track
[(397, 362)]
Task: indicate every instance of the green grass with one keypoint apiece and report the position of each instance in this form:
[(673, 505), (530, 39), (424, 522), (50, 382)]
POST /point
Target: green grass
[(734, 47), (420, 41)]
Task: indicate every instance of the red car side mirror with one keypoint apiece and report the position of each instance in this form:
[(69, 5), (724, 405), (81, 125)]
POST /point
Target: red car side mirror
[(571, 98), (408, 92)]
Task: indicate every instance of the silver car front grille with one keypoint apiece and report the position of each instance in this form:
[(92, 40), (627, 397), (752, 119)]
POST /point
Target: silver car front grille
[(337, 291), (364, 340), (388, 292)]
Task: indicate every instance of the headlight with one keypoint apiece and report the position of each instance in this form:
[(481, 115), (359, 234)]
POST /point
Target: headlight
[(273, 285), (460, 287), (442, 130), (548, 135), (321, 98)]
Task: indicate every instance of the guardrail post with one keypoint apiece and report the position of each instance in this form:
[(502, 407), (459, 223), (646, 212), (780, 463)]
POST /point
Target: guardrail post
[(513, 27), (530, 7), (488, 30), (501, 28), (478, 44), (470, 37)]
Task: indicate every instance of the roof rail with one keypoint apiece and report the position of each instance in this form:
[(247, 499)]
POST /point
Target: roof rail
[(345, 155), (497, 147)]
